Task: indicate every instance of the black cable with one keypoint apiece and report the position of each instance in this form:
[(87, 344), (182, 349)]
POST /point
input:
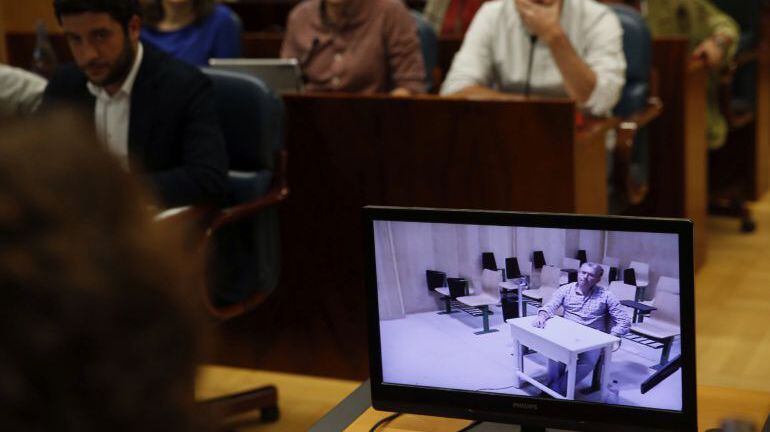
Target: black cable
[(384, 421), (532, 42), (390, 418), (498, 388), (470, 426)]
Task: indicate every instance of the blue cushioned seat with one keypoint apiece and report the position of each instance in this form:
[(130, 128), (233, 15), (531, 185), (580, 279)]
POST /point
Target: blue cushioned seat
[(245, 265)]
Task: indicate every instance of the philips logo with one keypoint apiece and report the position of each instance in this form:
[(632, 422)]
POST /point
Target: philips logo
[(526, 406)]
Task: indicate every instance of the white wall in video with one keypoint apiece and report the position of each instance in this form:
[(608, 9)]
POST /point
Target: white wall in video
[(515, 310)]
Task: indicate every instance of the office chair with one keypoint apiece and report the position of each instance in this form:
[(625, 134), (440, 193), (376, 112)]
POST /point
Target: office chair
[(629, 179), (429, 46), (733, 167), (242, 239)]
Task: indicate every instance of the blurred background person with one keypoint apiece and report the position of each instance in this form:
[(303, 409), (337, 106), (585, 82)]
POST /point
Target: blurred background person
[(558, 48), (20, 91), (97, 328), (451, 17), (153, 112), (356, 46), (192, 30), (713, 37)]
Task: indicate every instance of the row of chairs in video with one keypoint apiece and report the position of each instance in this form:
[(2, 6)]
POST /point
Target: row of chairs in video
[(657, 331)]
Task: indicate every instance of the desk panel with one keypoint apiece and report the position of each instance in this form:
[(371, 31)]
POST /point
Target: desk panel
[(350, 151), (678, 148), (304, 399)]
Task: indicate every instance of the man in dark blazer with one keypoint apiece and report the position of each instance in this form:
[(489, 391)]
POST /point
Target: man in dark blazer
[(153, 112)]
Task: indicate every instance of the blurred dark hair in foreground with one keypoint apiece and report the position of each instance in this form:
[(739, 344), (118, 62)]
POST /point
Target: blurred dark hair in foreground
[(96, 330)]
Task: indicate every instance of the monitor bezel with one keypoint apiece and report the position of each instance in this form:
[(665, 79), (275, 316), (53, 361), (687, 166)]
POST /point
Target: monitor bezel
[(531, 410)]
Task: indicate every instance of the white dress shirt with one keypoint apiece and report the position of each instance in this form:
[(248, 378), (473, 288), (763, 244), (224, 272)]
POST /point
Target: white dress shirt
[(20, 91), (112, 113), (496, 49)]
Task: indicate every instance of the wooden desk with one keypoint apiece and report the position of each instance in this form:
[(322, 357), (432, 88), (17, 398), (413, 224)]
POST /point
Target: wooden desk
[(678, 148), (350, 151), (304, 399)]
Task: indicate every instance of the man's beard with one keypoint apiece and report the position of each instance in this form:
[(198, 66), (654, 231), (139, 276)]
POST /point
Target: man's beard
[(122, 66)]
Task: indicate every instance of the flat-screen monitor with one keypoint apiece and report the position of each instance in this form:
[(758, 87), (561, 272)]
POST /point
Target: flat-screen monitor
[(280, 75), (606, 356)]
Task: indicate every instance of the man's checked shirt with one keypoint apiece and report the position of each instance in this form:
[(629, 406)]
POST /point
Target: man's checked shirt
[(592, 310)]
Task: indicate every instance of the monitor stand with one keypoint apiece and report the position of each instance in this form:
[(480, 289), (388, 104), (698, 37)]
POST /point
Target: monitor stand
[(347, 411)]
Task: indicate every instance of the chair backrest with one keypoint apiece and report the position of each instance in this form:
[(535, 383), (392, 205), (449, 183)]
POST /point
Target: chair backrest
[(435, 279), (629, 276), (668, 284), (611, 261), (605, 280), (245, 265), (581, 256), (641, 270), (251, 117), (429, 45), (623, 291), (637, 47), (549, 277), (667, 307), (571, 263), (488, 261), (538, 259), (512, 269), (490, 282), (549, 282), (458, 287), (526, 268)]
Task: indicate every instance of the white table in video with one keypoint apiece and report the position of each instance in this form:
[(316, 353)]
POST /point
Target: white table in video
[(561, 340)]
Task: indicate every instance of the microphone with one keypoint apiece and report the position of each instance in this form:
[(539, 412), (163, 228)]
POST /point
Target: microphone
[(305, 60), (532, 43)]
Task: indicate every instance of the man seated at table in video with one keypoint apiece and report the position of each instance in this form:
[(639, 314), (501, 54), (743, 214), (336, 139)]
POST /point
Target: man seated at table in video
[(556, 48), (589, 304)]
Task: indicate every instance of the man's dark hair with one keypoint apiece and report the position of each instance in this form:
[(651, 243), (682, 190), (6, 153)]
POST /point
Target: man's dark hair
[(120, 10)]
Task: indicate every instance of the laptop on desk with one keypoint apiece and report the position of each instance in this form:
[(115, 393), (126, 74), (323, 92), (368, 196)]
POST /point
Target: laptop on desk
[(280, 75)]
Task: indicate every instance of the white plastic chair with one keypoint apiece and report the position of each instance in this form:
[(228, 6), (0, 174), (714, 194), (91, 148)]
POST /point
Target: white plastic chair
[(549, 283), (642, 274), (489, 296), (663, 324), (605, 280), (568, 263), (612, 262)]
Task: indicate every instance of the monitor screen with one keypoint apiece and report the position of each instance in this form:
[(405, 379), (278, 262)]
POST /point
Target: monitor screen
[(594, 345)]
